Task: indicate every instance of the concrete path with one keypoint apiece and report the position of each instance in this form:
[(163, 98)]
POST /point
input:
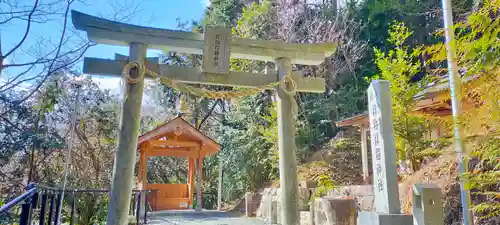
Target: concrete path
[(188, 217)]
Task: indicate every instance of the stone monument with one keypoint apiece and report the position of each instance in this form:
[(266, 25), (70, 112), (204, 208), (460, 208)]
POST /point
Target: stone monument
[(385, 178)]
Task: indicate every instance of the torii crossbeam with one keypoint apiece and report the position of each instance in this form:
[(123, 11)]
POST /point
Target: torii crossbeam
[(217, 46)]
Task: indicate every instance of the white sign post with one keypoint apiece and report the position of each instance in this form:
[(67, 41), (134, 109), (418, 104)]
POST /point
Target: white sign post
[(216, 50), (385, 177)]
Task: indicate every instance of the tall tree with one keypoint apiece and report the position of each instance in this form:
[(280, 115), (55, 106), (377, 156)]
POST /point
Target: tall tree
[(28, 57)]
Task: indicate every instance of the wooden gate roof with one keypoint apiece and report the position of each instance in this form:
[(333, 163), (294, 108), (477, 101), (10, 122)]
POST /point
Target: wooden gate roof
[(180, 130)]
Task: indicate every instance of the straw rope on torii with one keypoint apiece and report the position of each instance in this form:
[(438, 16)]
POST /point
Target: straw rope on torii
[(290, 86)]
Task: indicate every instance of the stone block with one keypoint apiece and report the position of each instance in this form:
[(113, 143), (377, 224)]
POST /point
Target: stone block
[(261, 212), (374, 218), (312, 211), (335, 211), (265, 206), (306, 218), (252, 202), (366, 203), (308, 184), (427, 205), (303, 198), (274, 212)]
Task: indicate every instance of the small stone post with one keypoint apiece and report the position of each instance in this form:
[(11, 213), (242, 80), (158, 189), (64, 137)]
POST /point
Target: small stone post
[(427, 205), (249, 209)]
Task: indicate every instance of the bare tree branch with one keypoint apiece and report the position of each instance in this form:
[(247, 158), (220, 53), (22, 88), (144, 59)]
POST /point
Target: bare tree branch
[(11, 124), (209, 113), (305, 23), (50, 71), (25, 33)]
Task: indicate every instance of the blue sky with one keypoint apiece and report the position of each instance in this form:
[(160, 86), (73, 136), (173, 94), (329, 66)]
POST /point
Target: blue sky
[(154, 13)]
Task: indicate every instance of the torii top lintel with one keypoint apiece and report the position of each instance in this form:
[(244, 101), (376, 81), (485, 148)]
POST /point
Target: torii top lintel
[(105, 31)]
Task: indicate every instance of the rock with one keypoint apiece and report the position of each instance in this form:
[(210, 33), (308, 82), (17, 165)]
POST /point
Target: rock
[(335, 211), (303, 198), (306, 218), (252, 202)]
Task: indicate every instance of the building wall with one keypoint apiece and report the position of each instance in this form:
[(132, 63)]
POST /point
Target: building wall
[(440, 130)]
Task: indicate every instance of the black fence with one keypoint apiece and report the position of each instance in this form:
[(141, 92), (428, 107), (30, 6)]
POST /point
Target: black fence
[(42, 203)]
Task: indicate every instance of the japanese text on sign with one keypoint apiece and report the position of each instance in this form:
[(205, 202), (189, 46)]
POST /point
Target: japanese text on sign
[(216, 52), (217, 49), (375, 136)]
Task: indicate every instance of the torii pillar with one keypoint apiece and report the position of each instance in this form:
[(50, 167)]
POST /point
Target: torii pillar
[(123, 169), (286, 106)]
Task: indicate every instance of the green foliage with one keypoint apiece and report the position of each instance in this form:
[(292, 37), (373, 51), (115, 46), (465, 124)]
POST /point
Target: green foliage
[(484, 176), (399, 66), (222, 13), (476, 41), (249, 156), (478, 52), (254, 21), (248, 132), (325, 184), (434, 148)]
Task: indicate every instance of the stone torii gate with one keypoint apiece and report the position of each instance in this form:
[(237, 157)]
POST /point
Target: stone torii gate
[(217, 46)]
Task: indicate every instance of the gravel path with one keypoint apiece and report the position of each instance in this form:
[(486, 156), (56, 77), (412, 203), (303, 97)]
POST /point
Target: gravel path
[(200, 218)]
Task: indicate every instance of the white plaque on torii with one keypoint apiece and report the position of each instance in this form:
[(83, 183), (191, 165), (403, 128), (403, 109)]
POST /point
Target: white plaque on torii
[(216, 50)]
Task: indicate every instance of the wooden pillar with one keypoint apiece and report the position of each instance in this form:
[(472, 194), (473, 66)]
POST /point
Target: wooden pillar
[(286, 144), (219, 188), (141, 167), (200, 181), (364, 153), (193, 176), (190, 180), (189, 171), (143, 164), (145, 171), (123, 169)]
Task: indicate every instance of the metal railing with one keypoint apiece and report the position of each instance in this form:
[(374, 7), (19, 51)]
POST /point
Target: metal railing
[(42, 203)]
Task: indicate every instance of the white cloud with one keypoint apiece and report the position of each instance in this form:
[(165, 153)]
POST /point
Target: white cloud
[(111, 83), (20, 87), (206, 2), (6, 61)]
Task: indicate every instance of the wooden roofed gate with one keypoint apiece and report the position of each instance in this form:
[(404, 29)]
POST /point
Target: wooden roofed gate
[(176, 138), (217, 47)]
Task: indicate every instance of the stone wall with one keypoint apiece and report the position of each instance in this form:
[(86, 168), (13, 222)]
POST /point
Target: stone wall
[(363, 194), (269, 210), (252, 203)]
